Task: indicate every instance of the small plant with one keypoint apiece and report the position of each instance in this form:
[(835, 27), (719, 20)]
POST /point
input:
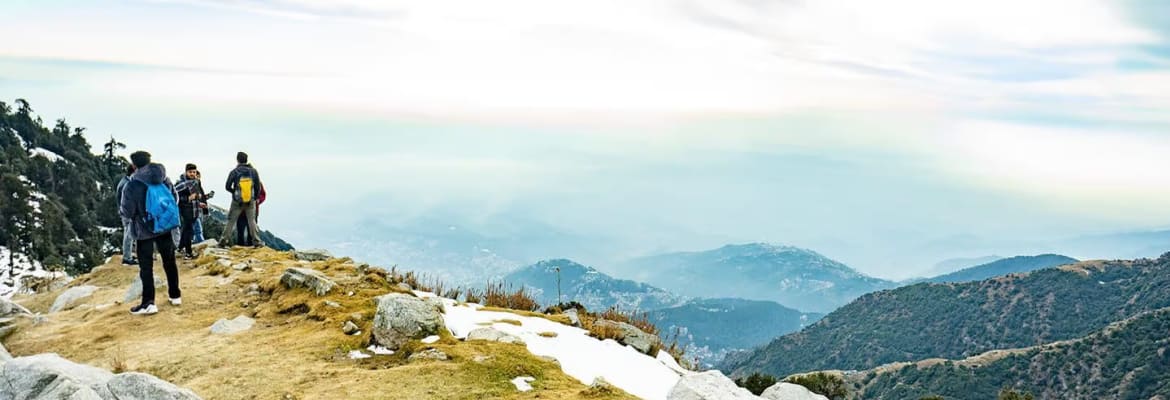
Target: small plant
[(118, 364), (756, 383), (562, 307)]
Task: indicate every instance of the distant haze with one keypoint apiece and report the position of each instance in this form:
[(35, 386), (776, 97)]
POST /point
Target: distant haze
[(886, 135)]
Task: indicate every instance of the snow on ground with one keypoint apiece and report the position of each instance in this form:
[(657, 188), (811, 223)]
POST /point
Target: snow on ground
[(11, 274), (581, 356), (46, 153)]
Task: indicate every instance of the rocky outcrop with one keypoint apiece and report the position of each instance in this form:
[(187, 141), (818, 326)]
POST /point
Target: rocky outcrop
[(306, 278), (632, 336), (710, 385), (135, 290), (73, 297), (50, 377), (790, 391), (493, 335), (401, 318), (313, 255)]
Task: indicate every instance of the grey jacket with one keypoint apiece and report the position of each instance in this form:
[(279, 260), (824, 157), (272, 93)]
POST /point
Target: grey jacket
[(118, 192), (133, 204)]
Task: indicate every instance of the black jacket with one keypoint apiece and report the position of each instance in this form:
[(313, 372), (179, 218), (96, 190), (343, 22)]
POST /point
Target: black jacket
[(133, 204), (234, 177)]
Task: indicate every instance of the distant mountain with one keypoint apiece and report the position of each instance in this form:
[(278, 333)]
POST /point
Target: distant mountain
[(711, 328), (951, 265), (1127, 360), (590, 287), (957, 320), (791, 276), (1004, 267)]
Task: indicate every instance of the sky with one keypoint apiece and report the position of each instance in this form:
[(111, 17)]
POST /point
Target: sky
[(885, 134)]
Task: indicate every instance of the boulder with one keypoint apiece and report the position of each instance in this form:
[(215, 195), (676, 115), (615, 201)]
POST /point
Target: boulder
[(10, 309), (138, 386), (401, 318), (405, 286), (135, 290), (350, 328), (710, 385), (574, 318), (435, 302), (493, 335), (72, 298), (206, 244), (313, 255), (429, 354), (306, 278), (48, 376), (790, 391), (632, 336), (232, 326)]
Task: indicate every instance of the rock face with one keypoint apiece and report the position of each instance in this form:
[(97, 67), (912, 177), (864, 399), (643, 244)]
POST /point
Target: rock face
[(232, 326), (313, 255), (137, 386), (790, 391), (10, 309), (401, 318), (632, 336), (307, 278), (492, 335), (710, 385), (48, 376), (135, 290), (72, 298)]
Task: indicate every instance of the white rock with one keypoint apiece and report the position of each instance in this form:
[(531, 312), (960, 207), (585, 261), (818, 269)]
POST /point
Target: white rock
[(358, 355), (138, 386), (232, 326), (48, 376), (401, 318), (313, 255), (379, 350), (523, 383), (310, 279), (493, 335), (710, 385), (72, 298), (135, 290), (790, 391)]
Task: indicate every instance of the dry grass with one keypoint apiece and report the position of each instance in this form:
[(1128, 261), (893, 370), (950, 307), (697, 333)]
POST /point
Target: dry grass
[(295, 349), (549, 335), (507, 321), (498, 295)]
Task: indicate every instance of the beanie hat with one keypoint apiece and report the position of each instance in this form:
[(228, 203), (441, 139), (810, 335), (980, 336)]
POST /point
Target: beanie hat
[(140, 159)]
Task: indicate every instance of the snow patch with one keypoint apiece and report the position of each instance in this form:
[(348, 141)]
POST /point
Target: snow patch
[(46, 153), (379, 350), (430, 340), (522, 383), (358, 355)]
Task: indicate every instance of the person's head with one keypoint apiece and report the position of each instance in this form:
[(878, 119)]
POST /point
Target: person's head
[(130, 169), (140, 159), (198, 175), (192, 171), (242, 157)]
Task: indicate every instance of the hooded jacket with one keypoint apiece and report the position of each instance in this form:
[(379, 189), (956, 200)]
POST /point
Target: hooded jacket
[(133, 203), (243, 169)]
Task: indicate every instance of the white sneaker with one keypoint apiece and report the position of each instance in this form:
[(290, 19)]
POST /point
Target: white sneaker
[(178, 301), (144, 310)]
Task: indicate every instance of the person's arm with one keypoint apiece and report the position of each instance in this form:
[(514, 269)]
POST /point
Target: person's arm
[(263, 195), (231, 182), (127, 206)]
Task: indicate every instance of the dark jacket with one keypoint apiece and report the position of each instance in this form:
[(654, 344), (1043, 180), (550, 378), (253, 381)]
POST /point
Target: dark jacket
[(133, 203), (118, 191), (185, 188), (234, 177)]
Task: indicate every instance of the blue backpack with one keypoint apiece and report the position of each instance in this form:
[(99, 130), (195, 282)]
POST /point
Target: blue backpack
[(162, 211)]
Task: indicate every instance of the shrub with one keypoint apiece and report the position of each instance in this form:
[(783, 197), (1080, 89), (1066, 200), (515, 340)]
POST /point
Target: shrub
[(827, 385), (756, 383), (497, 295), (1009, 394)]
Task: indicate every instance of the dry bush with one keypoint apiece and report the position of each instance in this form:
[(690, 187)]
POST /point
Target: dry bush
[(472, 296), (640, 321), (497, 295)]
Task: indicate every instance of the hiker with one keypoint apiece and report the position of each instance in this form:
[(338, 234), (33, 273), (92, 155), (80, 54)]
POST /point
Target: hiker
[(243, 235), (127, 237), (244, 184), (197, 237), (149, 201), (191, 196)]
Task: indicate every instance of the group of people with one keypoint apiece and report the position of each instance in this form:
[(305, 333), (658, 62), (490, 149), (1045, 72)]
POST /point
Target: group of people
[(157, 213)]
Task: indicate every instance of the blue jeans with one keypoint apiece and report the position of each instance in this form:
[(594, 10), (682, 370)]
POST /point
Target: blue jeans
[(128, 242), (199, 229)]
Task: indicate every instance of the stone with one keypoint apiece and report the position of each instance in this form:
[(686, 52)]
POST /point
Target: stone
[(400, 318), (357, 317), (313, 255), (10, 309), (232, 326), (429, 354), (551, 359), (574, 318), (306, 278), (331, 304), (601, 385), (72, 298), (523, 383), (216, 252), (135, 290), (48, 376), (241, 267), (480, 359), (632, 336), (206, 244), (435, 302), (225, 263), (139, 386), (710, 385), (790, 391), (253, 289), (350, 328), (405, 286), (493, 335)]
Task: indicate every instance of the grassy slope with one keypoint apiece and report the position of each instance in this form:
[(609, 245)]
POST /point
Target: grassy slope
[(299, 354)]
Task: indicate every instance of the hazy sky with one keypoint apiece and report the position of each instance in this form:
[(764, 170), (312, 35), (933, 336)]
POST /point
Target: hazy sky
[(862, 129)]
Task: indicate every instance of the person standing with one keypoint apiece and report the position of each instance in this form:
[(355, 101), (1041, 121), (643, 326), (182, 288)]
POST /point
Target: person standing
[(127, 237), (190, 197), (201, 212), (244, 236), (244, 184), (149, 201)]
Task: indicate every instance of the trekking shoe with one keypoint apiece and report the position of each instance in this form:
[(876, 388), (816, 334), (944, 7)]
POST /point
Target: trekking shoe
[(189, 256), (178, 301), (144, 309), (133, 263)]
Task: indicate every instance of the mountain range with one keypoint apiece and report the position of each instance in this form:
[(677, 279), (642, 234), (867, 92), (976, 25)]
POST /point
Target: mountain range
[(588, 286), (958, 320), (1003, 267), (713, 328), (795, 277)]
